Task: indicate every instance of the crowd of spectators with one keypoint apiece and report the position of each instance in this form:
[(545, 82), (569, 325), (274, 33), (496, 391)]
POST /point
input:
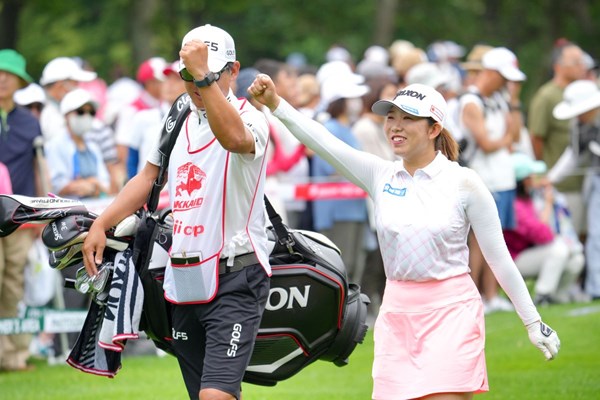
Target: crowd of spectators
[(539, 160)]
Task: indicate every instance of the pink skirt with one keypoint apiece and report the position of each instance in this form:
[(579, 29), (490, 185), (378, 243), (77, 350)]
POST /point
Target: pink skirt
[(429, 338)]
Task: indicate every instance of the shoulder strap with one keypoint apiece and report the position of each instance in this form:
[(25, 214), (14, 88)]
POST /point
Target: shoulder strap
[(173, 123), (283, 234)]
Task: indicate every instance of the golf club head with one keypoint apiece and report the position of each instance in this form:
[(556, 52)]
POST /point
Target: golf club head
[(66, 257), (16, 210), (66, 231), (127, 227), (119, 244), (93, 284)]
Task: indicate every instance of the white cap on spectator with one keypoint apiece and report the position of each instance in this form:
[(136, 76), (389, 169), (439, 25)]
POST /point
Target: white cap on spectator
[(32, 93), (453, 49), (339, 88), (338, 53), (338, 69), (377, 54), (221, 47), (75, 99), (64, 68), (579, 97), (418, 100), (505, 62), (427, 73)]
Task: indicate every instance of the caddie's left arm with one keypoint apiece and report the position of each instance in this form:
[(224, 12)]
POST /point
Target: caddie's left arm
[(481, 211), (224, 119)]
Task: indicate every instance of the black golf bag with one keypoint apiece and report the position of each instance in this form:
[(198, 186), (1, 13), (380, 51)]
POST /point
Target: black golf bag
[(312, 312)]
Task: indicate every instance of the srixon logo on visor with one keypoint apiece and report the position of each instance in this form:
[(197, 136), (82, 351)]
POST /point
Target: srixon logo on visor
[(412, 93)]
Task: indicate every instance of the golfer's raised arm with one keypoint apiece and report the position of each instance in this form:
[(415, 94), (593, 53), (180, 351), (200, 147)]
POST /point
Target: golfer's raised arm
[(357, 166)]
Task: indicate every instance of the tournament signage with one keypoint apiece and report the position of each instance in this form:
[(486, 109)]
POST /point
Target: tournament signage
[(44, 320)]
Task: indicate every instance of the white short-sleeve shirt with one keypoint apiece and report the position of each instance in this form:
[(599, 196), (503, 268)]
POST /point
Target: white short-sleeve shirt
[(244, 208)]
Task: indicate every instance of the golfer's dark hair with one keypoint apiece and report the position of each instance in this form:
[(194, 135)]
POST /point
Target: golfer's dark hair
[(445, 142)]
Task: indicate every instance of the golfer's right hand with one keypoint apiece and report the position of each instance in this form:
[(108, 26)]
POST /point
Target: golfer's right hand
[(544, 338), (263, 90), (93, 248)]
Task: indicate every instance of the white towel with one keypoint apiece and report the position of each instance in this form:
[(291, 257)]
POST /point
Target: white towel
[(124, 306)]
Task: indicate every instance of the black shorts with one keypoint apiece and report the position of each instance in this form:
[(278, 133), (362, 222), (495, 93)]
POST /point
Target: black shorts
[(214, 341)]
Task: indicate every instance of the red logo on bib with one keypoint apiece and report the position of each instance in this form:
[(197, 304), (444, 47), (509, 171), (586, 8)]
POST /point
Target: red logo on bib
[(189, 179)]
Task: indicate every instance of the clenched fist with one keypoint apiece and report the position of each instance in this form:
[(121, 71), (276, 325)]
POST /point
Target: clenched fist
[(263, 90)]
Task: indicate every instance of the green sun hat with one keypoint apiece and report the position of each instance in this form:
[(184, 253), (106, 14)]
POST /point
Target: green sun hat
[(13, 62)]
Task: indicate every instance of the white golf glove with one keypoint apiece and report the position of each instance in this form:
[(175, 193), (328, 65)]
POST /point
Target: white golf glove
[(544, 338)]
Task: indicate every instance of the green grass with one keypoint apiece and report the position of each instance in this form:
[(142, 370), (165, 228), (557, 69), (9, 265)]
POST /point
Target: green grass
[(516, 369)]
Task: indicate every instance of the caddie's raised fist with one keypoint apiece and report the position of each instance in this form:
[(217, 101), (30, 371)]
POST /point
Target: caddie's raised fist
[(194, 55)]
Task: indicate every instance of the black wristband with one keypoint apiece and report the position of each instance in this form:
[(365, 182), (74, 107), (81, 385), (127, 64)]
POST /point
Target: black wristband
[(207, 81)]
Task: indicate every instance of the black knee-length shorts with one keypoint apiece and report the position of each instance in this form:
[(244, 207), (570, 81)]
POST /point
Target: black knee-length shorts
[(214, 341)]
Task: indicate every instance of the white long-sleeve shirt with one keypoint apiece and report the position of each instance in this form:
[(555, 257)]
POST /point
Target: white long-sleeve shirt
[(422, 221)]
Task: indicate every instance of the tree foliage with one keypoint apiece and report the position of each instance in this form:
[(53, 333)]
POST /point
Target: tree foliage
[(121, 33)]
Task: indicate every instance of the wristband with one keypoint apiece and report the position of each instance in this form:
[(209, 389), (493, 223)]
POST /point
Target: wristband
[(207, 81)]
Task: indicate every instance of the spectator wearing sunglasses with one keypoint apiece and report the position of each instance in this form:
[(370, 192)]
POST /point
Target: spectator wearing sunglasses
[(77, 167)]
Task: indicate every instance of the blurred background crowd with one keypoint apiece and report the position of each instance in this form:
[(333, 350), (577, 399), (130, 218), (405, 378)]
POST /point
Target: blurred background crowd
[(74, 132)]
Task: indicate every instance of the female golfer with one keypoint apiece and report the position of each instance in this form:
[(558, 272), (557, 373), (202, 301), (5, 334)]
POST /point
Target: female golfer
[(429, 334)]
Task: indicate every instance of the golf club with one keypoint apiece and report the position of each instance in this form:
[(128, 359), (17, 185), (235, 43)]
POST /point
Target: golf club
[(16, 210)]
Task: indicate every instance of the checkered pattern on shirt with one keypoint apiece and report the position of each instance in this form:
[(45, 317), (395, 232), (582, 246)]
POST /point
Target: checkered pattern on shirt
[(423, 233)]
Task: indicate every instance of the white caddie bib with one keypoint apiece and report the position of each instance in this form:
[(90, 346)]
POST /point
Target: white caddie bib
[(197, 182)]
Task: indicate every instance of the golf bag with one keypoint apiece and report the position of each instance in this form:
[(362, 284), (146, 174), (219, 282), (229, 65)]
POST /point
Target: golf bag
[(312, 312)]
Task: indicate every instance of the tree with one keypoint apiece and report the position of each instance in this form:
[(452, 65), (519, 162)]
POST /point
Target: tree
[(114, 33), (9, 16)]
